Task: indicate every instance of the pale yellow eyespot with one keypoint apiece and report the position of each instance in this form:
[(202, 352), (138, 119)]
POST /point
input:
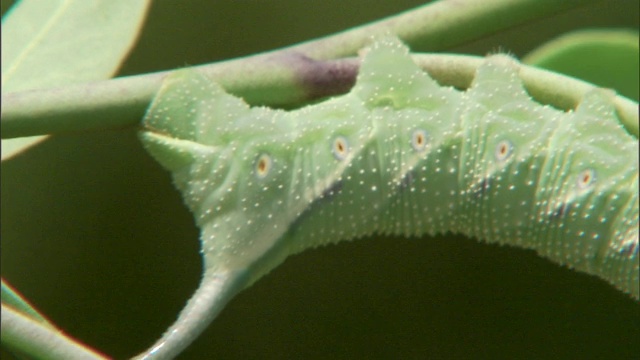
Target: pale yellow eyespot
[(340, 148), (586, 178), (503, 151), (419, 140), (263, 165)]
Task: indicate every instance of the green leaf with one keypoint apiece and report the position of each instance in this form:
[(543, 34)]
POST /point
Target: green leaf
[(608, 58), (36, 340), (61, 42), (12, 298)]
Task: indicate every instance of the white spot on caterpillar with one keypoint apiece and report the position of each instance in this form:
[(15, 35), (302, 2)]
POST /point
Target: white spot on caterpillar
[(586, 178), (263, 165), (503, 151), (340, 148), (419, 140)]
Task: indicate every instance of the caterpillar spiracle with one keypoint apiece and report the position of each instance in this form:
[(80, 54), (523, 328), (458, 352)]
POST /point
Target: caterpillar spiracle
[(398, 154)]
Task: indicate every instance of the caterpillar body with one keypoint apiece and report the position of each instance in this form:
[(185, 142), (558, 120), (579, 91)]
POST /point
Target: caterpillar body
[(399, 154)]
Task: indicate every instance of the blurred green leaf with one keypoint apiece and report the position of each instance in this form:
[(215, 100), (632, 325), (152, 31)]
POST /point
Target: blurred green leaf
[(54, 43), (35, 340), (62, 42), (608, 58), (12, 298)]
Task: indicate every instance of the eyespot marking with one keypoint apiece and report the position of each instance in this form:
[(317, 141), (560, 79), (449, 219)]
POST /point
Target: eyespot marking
[(340, 148), (263, 165), (586, 178), (419, 140), (503, 151)]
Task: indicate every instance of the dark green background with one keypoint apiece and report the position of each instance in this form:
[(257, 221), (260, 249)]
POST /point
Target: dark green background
[(95, 235)]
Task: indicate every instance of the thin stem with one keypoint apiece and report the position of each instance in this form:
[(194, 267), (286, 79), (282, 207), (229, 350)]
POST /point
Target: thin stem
[(438, 25), (550, 88), (289, 76), (39, 340), (122, 102)]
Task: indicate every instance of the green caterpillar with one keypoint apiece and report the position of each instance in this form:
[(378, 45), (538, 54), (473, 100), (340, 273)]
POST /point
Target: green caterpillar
[(399, 154)]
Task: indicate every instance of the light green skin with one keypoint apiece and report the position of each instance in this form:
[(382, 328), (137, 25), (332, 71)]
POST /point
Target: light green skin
[(495, 165)]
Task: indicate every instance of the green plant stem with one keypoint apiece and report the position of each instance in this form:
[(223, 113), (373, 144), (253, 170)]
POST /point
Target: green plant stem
[(277, 82), (560, 91), (438, 25), (40, 341), (121, 102)]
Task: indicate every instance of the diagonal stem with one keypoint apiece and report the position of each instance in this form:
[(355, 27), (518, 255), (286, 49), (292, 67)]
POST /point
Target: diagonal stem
[(281, 77)]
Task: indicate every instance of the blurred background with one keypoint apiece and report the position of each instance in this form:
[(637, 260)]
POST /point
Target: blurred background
[(95, 235)]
